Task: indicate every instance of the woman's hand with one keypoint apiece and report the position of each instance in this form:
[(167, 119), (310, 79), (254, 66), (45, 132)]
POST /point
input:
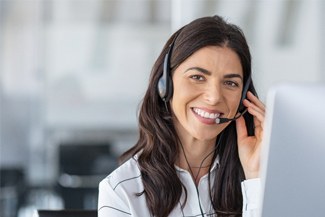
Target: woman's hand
[(249, 146)]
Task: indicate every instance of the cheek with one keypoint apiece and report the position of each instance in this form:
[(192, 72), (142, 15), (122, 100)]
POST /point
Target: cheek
[(179, 100), (234, 103), (182, 96)]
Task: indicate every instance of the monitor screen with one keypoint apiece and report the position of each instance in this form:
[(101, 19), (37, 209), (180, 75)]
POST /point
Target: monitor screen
[(293, 151)]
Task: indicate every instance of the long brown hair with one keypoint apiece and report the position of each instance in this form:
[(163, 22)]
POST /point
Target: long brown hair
[(158, 144)]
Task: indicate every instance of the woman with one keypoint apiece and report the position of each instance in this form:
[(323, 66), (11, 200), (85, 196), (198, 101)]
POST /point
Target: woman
[(192, 157)]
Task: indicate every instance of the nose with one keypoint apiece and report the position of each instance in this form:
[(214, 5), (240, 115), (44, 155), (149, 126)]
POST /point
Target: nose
[(213, 94)]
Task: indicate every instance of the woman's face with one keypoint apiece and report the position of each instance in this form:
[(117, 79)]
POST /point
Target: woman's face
[(207, 85)]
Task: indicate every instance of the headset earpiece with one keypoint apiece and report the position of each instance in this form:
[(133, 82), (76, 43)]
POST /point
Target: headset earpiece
[(165, 82), (165, 85), (245, 89)]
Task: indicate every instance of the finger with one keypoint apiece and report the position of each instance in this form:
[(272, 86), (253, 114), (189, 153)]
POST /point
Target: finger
[(258, 129), (249, 104), (255, 100), (255, 111), (257, 115), (257, 122)]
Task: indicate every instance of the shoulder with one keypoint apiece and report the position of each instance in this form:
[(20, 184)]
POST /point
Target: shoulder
[(127, 174), (118, 191)]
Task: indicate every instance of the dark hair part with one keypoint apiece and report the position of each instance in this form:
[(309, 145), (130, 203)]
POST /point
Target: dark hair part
[(158, 144)]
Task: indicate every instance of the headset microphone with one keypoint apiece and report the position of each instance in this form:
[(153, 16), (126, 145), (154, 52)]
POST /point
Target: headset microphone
[(224, 120)]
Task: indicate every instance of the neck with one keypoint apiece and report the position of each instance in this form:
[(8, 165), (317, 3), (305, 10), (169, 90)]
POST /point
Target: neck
[(196, 157)]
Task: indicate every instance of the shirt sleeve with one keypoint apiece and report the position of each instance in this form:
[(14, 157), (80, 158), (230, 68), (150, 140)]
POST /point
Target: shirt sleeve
[(109, 202), (251, 190)]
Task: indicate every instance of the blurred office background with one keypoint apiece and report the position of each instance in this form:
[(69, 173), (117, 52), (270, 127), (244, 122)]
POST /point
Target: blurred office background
[(72, 74)]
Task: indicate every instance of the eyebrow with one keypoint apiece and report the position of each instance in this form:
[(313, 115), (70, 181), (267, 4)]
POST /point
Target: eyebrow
[(204, 71), (233, 75), (207, 72)]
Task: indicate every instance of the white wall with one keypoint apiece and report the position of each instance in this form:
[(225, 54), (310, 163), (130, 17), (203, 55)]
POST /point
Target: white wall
[(68, 67)]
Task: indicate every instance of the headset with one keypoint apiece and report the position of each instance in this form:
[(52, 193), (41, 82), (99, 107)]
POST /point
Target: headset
[(165, 83), (165, 91), (241, 107)]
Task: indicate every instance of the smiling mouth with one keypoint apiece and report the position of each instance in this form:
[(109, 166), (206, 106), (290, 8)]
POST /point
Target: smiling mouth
[(205, 114)]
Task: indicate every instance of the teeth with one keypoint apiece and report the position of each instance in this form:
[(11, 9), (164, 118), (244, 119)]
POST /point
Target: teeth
[(205, 114)]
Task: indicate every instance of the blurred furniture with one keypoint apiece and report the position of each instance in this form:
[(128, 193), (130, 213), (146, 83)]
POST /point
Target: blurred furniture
[(67, 213), (82, 165), (12, 188)]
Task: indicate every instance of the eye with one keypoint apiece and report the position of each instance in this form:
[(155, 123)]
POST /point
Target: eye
[(197, 77), (231, 83)]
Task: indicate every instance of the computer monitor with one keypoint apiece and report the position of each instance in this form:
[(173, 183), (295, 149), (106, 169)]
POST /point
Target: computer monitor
[(293, 152)]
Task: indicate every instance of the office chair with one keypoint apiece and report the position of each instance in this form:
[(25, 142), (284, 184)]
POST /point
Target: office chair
[(66, 213), (82, 165)]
